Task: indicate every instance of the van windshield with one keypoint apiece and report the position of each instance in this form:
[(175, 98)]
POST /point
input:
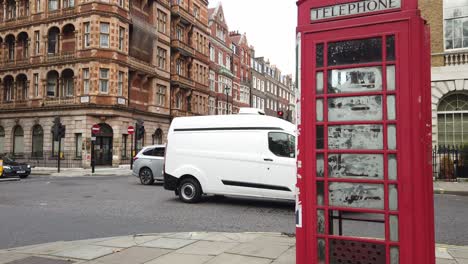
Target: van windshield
[(282, 144)]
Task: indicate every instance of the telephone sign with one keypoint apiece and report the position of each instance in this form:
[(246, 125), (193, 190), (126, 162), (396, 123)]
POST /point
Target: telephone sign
[(364, 174)]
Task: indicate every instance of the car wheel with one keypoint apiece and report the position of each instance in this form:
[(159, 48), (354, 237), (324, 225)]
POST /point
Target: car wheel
[(146, 176), (190, 191), (24, 176)]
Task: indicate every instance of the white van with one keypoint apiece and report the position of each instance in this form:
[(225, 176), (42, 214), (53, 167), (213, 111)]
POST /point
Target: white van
[(240, 155)]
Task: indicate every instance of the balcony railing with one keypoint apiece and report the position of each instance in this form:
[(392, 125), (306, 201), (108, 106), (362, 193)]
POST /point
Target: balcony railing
[(60, 101), (62, 56), (182, 80), (456, 58), (61, 12), (139, 64), (184, 48), (13, 104)]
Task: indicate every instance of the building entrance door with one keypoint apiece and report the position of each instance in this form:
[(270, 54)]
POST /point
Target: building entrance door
[(103, 146)]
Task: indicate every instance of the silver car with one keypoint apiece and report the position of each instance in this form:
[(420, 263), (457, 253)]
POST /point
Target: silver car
[(148, 164)]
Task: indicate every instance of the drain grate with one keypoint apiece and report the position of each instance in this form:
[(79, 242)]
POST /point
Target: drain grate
[(353, 252), (39, 260)]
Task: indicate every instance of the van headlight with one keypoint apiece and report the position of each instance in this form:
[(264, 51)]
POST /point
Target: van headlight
[(29, 166)]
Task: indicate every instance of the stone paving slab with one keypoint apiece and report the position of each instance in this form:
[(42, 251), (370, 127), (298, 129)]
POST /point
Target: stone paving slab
[(134, 255), (9, 257), (168, 243), (261, 250), (86, 252), (126, 242), (207, 248), (176, 258), (41, 260), (237, 259), (183, 248), (287, 257)]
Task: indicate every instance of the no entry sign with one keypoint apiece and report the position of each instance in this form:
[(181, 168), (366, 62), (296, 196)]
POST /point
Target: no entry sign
[(131, 130), (95, 129)]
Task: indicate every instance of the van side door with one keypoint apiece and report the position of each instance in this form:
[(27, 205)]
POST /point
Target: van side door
[(280, 176)]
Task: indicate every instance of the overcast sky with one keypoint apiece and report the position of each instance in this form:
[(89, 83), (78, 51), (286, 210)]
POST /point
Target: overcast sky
[(270, 26)]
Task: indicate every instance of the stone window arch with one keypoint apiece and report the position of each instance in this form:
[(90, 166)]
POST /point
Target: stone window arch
[(2, 140), (158, 137), (18, 140), (452, 119), (37, 141)]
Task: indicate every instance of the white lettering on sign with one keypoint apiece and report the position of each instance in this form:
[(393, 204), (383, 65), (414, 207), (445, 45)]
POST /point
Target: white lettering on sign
[(354, 8)]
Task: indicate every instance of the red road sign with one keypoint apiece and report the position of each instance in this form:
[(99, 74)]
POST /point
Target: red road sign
[(131, 130), (95, 129)]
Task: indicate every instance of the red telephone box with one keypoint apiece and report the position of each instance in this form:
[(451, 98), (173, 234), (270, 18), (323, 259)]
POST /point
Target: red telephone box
[(364, 168)]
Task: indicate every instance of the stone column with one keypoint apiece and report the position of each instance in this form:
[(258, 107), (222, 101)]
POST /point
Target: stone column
[(4, 10), (17, 8)]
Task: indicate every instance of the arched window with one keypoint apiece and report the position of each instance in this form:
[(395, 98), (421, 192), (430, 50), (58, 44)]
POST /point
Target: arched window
[(52, 40), (452, 119), (18, 140), (52, 83), (2, 140), (37, 141), (158, 137)]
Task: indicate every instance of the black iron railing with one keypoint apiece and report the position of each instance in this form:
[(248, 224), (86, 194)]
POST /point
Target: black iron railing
[(450, 162)]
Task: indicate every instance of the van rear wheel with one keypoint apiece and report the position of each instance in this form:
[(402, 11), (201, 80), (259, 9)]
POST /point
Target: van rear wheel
[(190, 191)]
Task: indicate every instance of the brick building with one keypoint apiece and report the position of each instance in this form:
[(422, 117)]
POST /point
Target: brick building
[(448, 21), (98, 62), (189, 58), (241, 69), (271, 90), (221, 73)]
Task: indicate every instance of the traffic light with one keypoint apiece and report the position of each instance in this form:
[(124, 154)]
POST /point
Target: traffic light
[(61, 131), (58, 130), (280, 114), (140, 130)]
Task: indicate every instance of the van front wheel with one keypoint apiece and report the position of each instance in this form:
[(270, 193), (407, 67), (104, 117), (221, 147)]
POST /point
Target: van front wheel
[(190, 191)]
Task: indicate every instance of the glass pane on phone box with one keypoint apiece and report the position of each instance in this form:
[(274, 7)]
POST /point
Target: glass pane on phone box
[(319, 82), (355, 51), (391, 47), (391, 82), (355, 137), (320, 166), (392, 137), (321, 221), (319, 110), (320, 193), (319, 55), (321, 251), (361, 166), (355, 108), (356, 195), (392, 167), (391, 111), (355, 80)]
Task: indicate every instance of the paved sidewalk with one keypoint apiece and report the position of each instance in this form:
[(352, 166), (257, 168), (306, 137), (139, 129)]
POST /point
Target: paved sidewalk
[(123, 170), (455, 188), (178, 248)]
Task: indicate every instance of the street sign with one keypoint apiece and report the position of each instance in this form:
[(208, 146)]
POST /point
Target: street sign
[(131, 130), (95, 129)]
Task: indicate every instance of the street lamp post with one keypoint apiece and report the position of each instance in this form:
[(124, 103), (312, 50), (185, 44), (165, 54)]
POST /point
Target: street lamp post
[(226, 89)]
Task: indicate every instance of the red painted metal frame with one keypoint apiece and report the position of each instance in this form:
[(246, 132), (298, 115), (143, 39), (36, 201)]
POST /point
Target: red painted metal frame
[(413, 123)]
